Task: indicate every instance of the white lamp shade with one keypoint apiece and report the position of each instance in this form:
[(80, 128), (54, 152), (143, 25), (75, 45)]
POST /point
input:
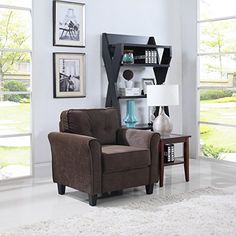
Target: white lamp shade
[(162, 95)]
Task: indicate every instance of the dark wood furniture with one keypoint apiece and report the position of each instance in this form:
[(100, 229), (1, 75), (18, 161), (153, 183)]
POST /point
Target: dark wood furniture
[(174, 138), (113, 46), (141, 126)]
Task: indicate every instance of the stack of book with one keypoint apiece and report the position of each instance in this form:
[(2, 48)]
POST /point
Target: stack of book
[(151, 56), (169, 153), (129, 91)]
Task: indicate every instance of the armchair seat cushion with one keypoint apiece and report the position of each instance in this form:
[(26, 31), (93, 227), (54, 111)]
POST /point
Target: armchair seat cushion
[(116, 158)]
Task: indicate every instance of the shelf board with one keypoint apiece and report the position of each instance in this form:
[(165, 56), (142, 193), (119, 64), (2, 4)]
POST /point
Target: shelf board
[(140, 126), (178, 161), (146, 65), (131, 45), (133, 97)]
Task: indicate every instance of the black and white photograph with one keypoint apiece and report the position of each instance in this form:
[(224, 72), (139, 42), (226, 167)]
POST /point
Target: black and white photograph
[(69, 24), (69, 75), (146, 82)]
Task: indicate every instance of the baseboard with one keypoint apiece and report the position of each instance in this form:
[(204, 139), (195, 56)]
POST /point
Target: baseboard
[(42, 171), (16, 183)]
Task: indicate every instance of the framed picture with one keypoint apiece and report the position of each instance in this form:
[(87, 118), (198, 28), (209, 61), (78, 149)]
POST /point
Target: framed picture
[(69, 75), (68, 24), (147, 82)]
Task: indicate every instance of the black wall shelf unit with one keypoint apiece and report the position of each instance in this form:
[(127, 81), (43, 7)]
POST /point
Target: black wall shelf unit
[(113, 46), (132, 97)]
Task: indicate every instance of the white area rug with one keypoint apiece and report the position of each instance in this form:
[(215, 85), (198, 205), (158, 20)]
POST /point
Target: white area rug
[(205, 211)]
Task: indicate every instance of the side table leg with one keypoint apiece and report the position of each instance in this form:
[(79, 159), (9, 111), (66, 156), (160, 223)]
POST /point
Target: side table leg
[(161, 164), (186, 159)]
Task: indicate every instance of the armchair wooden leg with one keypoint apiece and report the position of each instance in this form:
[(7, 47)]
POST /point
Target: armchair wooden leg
[(61, 189), (92, 200), (149, 188)]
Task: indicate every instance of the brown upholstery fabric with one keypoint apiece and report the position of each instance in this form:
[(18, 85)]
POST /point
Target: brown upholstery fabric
[(94, 155), (117, 158), (134, 137), (99, 123), (126, 179), (76, 161), (144, 139)]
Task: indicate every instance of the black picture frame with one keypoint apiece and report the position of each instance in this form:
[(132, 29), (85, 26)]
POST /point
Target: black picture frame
[(145, 82), (69, 77), (73, 33)]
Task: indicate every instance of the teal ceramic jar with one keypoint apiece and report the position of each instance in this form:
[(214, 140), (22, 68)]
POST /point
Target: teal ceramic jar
[(128, 57)]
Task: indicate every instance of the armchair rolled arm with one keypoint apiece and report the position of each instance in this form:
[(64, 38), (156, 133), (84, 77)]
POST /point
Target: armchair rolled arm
[(144, 139), (76, 161), (136, 138)]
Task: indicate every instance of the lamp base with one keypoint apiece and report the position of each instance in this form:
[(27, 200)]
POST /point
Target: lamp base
[(162, 124)]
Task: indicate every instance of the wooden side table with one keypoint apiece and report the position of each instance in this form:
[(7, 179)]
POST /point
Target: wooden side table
[(174, 138)]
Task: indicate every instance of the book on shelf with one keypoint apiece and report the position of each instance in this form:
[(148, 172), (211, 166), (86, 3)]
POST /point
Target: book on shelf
[(169, 153), (150, 56)]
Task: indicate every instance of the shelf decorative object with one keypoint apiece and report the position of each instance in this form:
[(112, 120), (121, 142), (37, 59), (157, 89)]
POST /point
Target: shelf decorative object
[(147, 82), (129, 89), (128, 57), (129, 92), (130, 119), (128, 76)]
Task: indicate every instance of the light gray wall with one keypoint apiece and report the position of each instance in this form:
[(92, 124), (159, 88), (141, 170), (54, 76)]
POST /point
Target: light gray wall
[(160, 18), (189, 70)]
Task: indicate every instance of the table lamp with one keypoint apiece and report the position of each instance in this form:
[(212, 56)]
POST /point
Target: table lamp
[(162, 95)]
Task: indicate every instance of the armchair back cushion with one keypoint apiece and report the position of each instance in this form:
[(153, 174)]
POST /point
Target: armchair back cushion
[(99, 123)]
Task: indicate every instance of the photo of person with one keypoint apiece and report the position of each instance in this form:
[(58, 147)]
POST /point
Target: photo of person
[(69, 75), (69, 24)]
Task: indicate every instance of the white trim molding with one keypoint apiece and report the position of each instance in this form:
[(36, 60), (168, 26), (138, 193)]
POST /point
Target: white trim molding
[(217, 19), (217, 124), (42, 171), (12, 7)]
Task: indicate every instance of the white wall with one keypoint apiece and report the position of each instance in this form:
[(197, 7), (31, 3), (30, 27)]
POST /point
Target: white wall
[(160, 18), (189, 69)]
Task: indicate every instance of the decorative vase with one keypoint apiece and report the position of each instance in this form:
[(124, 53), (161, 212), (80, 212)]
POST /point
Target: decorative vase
[(162, 123), (130, 119), (128, 57)]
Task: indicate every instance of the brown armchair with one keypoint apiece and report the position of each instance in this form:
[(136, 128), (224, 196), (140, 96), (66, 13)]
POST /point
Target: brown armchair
[(93, 154)]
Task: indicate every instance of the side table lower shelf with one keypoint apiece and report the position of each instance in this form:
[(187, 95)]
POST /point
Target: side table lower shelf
[(177, 161), (174, 138)]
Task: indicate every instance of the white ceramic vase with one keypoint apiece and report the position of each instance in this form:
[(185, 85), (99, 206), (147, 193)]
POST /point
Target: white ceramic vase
[(162, 124)]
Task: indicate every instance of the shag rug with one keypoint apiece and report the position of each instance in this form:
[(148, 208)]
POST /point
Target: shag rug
[(206, 211)]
